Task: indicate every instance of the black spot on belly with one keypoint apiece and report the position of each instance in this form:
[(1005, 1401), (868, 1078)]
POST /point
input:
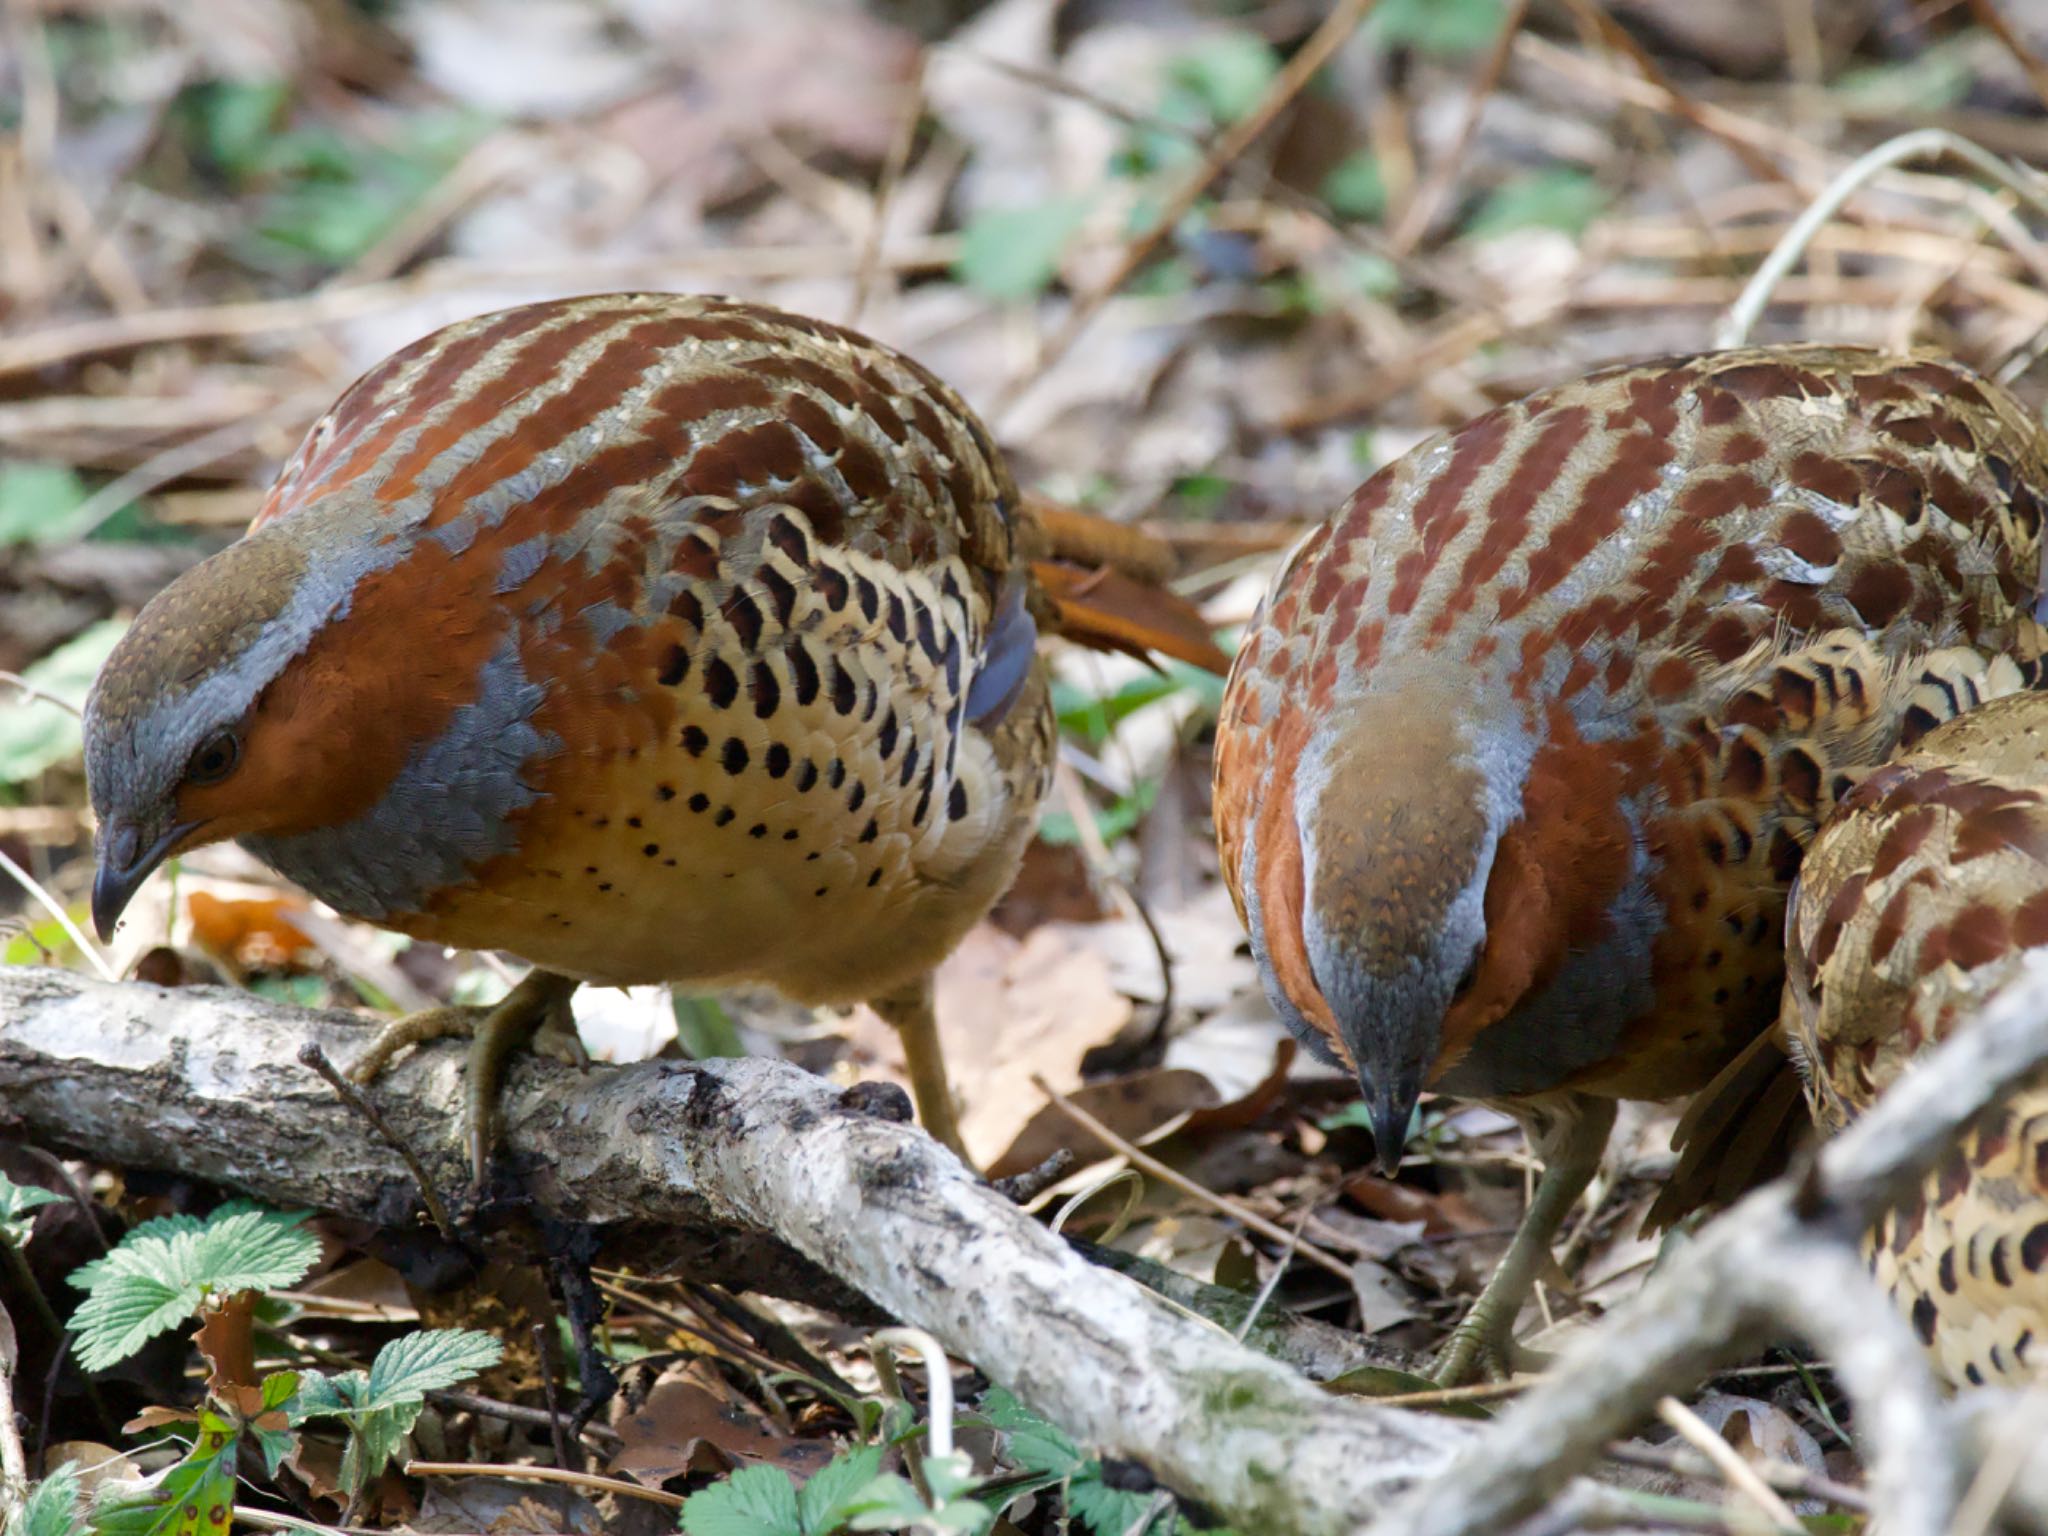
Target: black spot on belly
[(806, 776), (875, 876), (835, 775), (724, 817), (744, 614), (695, 740), (700, 803), (758, 829), (733, 755), (604, 885), (909, 766), (857, 797), (830, 582), (956, 801), (899, 620), (789, 836), (777, 760), (652, 850), (870, 598), (664, 791), (885, 739), (675, 666), (633, 822), (803, 672), (721, 686), (844, 695), (764, 689), (869, 832), (781, 592)]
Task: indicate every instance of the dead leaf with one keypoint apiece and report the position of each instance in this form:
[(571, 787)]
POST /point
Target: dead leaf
[(1139, 1106), (227, 1338), (1384, 1299), (506, 1508), (662, 1439), (254, 935), (97, 1464), (1008, 1009)]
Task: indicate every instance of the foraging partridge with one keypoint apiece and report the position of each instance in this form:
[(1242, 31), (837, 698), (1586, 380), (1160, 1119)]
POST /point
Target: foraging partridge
[(1522, 751), (650, 638), (1914, 906)]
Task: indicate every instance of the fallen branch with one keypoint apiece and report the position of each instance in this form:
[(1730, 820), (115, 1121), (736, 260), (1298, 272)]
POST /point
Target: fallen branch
[(752, 1172), (765, 1177)]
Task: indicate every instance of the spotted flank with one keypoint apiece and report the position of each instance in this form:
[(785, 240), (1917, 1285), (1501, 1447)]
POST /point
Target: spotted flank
[(1915, 905)]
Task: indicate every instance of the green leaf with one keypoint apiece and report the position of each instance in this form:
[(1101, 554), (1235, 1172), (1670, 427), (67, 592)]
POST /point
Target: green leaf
[(16, 1201), (406, 1369), (1227, 73), (195, 1498), (1355, 189), (373, 1439), (230, 125), (279, 1388), (705, 1031), (1440, 27), (1034, 1444), (323, 1396), (37, 500), (1012, 254), (888, 1503), (1104, 1510), (754, 1501), (1557, 198), (51, 1508), (35, 734), (163, 1269), (824, 1503)]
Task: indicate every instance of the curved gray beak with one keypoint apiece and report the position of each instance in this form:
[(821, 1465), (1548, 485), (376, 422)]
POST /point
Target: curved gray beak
[(122, 865)]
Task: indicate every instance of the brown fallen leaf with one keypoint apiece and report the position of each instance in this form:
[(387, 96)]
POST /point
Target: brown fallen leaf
[(662, 1440)]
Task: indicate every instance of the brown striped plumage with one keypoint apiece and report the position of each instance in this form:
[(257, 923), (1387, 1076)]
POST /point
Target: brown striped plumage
[(1914, 906), (1523, 750), (647, 637)]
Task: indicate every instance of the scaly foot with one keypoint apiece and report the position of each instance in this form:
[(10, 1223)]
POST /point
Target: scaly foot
[(534, 1014)]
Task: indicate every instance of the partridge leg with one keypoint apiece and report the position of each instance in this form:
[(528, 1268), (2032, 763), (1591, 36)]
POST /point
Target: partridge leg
[(911, 1014), (1571, 1155), (535, 1013)]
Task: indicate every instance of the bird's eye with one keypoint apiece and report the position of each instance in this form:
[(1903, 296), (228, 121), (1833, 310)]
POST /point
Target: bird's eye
[(1465, 981), (216, 758)]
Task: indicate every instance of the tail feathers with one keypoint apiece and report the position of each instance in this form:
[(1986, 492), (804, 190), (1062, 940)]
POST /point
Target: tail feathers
[(1738, 1132), (1110, 611), (1081, 538)]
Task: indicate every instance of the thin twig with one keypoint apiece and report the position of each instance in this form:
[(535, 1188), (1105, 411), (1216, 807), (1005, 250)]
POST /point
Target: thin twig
[(1920, 144), (30, 690), (1422, 207), (311, 1055), (1739, 1473), (586, 1480), (1293, 77), (55, 908), (515, 1413), (1280, 1264), (1187, 1186), (893, 166), (544, 1349), (1781, 1475)]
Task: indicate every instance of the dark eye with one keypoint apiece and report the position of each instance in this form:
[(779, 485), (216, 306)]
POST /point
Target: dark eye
[(215, 759)]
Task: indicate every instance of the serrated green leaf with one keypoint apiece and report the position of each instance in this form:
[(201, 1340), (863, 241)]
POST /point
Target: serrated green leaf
[(279, 1387), (255, 1251), (406, 1369), (51, 1508), (162, 1270), (1010, 254), (373, 1439), (276, 1445), (124, 1312), (1104, 1510), (888, 1503), (35, 734), (754, 1501), (16, 1203), (1033, 1443), (823, 1503), (1556, 198), (322, 1396)]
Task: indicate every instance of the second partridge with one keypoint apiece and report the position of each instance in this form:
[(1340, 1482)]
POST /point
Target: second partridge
[(1522, 752)]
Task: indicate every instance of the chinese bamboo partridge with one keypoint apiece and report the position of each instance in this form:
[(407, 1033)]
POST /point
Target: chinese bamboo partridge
[(1521, 753), (1915, 905), (650, 638)]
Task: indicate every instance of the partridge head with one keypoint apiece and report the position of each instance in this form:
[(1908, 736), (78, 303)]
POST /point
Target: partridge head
[(1522, 751), (647, 637)]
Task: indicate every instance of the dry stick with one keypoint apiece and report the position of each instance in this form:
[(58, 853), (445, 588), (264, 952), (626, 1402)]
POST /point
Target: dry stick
[(1187, 1186), (1786, 1258), (515, 1413), (17, 681), (1422, 207), (1343, 19), (13, 1458), (587, 1480), (313, 1056), (1922, 143), (1739, 1473), (544, 1349), (893, 166)]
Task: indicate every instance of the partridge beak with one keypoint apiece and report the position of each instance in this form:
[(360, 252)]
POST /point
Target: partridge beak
[(1391, 1108), (121, 868)]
